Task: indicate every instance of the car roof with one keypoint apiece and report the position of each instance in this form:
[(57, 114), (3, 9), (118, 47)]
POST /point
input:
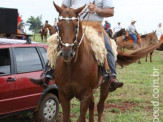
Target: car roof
[(14, 41)]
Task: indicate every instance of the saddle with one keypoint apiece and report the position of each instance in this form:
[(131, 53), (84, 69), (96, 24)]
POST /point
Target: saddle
[(129, 38), (161, 38), (20, 34)]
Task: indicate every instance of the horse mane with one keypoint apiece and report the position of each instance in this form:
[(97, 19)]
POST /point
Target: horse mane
[(143, 36), (119, 33), (124, 58)]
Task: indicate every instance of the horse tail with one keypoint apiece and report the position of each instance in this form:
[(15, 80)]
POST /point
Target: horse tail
[(124, 58)]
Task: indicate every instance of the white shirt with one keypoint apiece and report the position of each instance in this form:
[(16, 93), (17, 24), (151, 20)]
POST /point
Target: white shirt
[(159, 32), (55, 23), (117, 28), (131, 29), (92, 17)]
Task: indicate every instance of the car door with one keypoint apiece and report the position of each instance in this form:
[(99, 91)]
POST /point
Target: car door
[(28, 65), (7, 80)]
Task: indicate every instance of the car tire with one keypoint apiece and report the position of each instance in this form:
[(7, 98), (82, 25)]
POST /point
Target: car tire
[(48, 109)]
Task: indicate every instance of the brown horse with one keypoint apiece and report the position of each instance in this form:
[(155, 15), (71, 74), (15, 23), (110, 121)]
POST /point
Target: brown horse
[(43, 32), (145, 41), (75, 75), (52, 30)]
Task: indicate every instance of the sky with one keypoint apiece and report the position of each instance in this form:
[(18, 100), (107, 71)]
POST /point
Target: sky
[(147, 13)]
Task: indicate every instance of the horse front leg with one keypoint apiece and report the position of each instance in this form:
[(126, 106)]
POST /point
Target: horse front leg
[(41, 38), (151, 57), (45, 38), (146, 58), (65, 103), (91, 109), (104, 90), (84, 104), (139, 61)]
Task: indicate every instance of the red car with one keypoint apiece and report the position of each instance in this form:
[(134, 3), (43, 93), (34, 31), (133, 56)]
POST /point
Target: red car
[(20, 61)]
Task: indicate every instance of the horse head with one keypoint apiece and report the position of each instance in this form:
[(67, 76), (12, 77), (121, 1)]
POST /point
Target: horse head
[(123, 31), (68, 31), (120, 33), (154, 37)]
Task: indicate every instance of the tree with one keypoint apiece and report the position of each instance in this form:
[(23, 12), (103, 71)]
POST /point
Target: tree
[(35, 23)]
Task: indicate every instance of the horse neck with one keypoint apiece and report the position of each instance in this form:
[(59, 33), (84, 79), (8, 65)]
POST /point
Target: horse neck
[(51, 29), (84, 46), (147, 40)]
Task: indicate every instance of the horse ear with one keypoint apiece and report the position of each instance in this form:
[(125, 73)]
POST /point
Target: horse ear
[(59, 9), (77, 11)]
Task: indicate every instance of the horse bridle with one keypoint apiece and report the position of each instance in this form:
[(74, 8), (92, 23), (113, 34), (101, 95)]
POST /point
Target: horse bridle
[(67, 19)]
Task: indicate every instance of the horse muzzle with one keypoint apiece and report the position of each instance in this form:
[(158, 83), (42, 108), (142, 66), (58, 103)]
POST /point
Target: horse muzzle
[(67, 55)]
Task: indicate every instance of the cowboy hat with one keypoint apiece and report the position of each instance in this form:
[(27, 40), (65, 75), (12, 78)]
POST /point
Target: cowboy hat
[(133, 20)]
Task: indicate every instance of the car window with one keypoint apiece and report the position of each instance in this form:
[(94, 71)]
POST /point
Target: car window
[(44, 53), (5, 62), (27, 59)]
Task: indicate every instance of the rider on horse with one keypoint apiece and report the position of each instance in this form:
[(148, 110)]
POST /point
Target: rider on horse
[(98, 10), (159, 31), (117, 28), (132, 31)]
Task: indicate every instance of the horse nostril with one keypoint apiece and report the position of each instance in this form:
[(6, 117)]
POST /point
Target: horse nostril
[(61, 54), (71, 55)]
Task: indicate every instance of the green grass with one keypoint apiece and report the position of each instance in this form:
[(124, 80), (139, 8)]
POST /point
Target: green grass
[(37, 38)]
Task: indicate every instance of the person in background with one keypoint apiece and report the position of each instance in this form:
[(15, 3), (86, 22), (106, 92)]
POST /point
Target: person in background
[(46, 22), (132, 31), (117, 28), (55, 24), (20, 30), (107, 27), (159, 31)]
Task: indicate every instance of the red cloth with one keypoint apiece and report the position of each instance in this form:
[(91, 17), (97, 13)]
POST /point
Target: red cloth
[(19, 19), (107, 26)]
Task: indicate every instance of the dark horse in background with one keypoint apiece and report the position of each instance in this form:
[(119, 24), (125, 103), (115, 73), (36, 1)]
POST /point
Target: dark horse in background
[(43, 31), (75, 75), (119, 33)]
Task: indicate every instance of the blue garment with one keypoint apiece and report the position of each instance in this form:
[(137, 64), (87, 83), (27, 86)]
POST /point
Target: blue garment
[(21, 32), (56, 28), (134, 37), (110, 56)]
